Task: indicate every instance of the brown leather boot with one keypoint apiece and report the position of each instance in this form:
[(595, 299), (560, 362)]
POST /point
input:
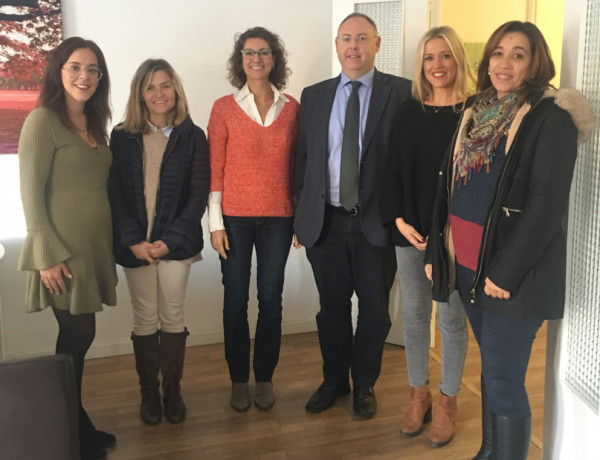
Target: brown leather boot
[(444, 419), (418, 412), (147, 364), (172, 355)]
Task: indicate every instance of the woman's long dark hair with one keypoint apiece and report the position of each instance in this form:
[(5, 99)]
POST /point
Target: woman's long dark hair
[(52, 96)]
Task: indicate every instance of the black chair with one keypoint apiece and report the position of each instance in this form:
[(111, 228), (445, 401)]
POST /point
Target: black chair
[(38, 409)]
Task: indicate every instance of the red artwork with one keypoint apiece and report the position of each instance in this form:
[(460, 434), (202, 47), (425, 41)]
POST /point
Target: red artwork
[(30, 29)]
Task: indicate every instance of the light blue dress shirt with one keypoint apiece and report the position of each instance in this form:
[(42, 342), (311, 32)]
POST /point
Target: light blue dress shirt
[(336, 129)]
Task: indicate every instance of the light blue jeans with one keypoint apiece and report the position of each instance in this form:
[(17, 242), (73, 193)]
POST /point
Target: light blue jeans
[(417, 305)]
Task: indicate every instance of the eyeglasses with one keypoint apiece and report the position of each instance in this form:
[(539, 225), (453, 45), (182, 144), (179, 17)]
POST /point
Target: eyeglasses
[(359, 38), (75, 70), (249, 53)]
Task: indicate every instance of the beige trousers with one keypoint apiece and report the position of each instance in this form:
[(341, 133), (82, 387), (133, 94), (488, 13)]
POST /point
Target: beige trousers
[(157, 294)]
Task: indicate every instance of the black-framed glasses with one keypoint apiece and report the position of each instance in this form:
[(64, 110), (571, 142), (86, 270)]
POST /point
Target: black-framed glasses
[(75, 70), (249, 53)]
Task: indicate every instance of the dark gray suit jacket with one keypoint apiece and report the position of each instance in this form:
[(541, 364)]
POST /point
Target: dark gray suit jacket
[(312, 150)]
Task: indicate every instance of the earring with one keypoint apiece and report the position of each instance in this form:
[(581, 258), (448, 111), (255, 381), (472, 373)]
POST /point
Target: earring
[(488, 72), (532, 77)]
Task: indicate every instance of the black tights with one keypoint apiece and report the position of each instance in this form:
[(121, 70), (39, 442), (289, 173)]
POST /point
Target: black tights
[(75, 336)]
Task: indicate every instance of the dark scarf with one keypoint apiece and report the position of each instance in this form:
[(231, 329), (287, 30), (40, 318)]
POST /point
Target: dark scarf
[(490, 119)]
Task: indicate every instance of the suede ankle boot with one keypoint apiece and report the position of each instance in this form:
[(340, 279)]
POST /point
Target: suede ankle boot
[(444, 420), (147, 364), (172, 356), (418, 412)]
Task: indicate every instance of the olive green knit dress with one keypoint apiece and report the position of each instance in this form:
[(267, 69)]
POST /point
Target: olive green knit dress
[(63, 190)]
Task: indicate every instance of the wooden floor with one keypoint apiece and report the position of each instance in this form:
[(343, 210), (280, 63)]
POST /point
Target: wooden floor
[(214, 431)]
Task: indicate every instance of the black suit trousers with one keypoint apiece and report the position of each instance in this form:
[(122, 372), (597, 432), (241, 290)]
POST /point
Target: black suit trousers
[(343, 263)]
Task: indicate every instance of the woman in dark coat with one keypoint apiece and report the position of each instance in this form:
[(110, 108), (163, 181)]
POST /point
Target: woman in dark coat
[(507, 183), (158, 191)]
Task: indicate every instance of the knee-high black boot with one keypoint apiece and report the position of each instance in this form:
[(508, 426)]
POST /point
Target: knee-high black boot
[(510, 437), (485, 451), (147, 365), (172, 355)]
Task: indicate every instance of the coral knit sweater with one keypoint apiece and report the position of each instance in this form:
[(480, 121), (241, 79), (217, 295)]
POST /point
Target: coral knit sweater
[(252, 165)]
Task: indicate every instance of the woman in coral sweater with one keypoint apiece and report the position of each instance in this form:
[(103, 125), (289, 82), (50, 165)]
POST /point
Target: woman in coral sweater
[(251, 136)]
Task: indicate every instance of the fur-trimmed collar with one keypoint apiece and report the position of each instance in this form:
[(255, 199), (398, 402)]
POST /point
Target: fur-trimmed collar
[(575, 103)]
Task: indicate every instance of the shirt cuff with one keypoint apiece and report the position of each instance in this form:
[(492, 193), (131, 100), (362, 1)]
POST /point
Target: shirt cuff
[(215, 213)]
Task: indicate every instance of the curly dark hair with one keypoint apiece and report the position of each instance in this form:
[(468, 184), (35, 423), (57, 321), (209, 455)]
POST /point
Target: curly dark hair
[(52, 96), (280, 73)]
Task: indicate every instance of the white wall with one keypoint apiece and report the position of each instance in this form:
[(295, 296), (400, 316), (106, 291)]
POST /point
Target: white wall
[(196, 37), (571, 427)]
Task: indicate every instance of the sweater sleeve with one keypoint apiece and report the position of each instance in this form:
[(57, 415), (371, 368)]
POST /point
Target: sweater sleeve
[(217, 141), (294, 139), (42, 247)]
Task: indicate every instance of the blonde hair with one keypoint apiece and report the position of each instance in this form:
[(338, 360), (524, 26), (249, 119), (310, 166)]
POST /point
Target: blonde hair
[(136, 113), (421, 88)]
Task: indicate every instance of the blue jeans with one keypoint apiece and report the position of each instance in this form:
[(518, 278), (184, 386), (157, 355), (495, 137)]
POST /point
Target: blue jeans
[(417, 307), (272, 237), (505, 345)]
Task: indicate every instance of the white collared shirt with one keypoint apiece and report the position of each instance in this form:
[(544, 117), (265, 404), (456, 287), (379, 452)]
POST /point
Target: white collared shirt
[(245, 99), (167, 130)]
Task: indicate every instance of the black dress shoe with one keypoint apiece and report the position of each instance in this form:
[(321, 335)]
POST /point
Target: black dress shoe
[(325, 396), (365, 403)]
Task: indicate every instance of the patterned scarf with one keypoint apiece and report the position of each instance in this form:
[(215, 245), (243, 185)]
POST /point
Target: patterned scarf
[(490, 119)]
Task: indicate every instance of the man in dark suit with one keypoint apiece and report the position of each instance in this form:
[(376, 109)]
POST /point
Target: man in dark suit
[(348, 247)]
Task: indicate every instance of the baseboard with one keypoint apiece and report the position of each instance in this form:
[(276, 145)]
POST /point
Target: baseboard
[(124, 347)]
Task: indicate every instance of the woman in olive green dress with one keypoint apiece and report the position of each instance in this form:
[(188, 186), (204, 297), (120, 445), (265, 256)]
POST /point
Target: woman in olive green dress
[(64, 162)]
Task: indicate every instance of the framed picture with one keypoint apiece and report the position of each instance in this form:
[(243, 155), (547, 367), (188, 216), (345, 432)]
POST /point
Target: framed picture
[(30, 30)]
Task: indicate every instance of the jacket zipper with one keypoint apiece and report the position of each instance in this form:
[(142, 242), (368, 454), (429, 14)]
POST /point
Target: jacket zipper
[(165, 156), (489, 217), (507, 211)]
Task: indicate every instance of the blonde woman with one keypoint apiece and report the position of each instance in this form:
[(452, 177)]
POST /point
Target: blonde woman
[(439, 89), (158, 192)]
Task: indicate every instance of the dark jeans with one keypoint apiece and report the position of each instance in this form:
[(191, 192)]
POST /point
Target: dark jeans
[(344, 263), (505, 345), (272, 237)]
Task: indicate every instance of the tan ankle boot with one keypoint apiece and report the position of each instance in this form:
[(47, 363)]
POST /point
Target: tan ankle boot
[(444, 419), (418, 412)]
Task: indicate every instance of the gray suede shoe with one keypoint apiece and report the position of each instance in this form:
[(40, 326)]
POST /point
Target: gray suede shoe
[(240, 397), (264, 398)]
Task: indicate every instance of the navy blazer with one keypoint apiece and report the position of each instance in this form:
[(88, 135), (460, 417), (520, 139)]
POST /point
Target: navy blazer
[(312, 150)]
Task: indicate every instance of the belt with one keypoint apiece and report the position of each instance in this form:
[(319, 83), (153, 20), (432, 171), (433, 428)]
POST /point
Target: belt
[(355, 211)]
